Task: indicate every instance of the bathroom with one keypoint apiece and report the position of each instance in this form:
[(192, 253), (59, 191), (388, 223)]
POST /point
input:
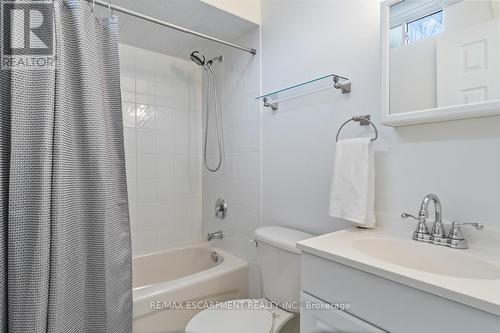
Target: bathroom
[(194, 166)]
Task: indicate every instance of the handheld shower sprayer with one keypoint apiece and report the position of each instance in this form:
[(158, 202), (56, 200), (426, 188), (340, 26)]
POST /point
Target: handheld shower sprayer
[(212, 105)]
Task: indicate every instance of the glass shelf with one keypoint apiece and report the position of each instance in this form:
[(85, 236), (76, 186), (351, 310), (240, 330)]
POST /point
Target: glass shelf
[(305, 88)]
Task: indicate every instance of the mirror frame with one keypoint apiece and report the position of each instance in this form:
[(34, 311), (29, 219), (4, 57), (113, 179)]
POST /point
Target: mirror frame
[(465, 111)]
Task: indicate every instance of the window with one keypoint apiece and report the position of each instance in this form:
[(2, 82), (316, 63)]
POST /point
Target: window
[(424, 27)]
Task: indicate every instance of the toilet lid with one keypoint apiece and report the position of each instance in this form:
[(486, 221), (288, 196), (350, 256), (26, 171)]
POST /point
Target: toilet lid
[(230, 320)]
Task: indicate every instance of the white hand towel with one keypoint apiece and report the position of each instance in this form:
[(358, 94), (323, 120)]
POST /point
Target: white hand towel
[(352, 195)]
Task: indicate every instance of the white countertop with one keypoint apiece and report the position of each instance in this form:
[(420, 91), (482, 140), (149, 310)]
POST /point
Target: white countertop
[(481, 293)]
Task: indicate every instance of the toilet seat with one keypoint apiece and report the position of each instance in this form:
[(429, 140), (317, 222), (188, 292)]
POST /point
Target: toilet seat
[(242, 316), (230, 317)]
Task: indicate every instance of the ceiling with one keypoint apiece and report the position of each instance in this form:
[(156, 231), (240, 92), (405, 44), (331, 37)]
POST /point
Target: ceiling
[(191, 14)]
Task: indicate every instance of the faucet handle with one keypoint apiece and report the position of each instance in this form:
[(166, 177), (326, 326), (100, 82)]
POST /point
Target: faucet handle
[(404, 216), (456, 231), (456, 237), (421, 233), (477, 226)]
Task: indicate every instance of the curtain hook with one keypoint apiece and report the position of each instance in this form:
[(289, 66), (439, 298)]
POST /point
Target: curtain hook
[(109, 9), (93, 5)]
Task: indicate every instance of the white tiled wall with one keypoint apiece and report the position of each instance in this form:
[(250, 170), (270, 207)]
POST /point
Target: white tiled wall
[(239, 180), (161, 98)]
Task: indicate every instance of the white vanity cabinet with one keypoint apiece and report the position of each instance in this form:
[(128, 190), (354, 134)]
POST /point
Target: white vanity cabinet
[(378, 304), (317, 318)]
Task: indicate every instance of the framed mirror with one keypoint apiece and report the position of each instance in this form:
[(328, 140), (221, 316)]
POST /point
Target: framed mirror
[(440, 60)]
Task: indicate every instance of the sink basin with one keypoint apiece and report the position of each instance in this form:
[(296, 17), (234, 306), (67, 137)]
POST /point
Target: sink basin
[(427, 258)]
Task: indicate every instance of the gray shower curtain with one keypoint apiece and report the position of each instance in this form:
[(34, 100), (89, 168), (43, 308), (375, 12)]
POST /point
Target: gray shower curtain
[(65, 258)]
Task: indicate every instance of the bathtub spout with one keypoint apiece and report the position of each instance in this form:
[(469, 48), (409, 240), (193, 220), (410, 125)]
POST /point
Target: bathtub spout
[(215, 235)]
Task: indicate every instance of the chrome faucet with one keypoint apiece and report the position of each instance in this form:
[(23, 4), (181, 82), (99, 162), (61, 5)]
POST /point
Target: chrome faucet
[(215, 235), (437, 231), (437, 236)]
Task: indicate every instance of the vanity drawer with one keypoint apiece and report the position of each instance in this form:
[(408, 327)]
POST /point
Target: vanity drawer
[(321, 319), (390, 305)]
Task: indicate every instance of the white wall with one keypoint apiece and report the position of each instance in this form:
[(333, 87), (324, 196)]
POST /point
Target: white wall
[(247, 9), (161, 98), (238, 182), (457, 160)]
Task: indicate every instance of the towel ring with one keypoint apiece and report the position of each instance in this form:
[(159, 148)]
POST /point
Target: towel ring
[(363, 120)]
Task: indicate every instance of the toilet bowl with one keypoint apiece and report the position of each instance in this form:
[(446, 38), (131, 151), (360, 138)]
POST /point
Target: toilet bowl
[(277, 312)]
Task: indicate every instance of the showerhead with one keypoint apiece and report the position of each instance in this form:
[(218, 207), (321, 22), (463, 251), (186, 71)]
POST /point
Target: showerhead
[(196, 57)]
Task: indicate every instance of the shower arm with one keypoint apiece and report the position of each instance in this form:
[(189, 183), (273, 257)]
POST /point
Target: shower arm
[(211, 61)]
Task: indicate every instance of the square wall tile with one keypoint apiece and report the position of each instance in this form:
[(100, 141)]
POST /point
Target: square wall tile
[(179, 95), (246, 165), (164, 142), (145, 91), (146, 141), (181, 165), (132, 214), (145, 99), (146, 166), (129, 137), (145, 63), (145, 116), (145, 86), (131, 165), (243, 192), (128, 112), (147, 190), (147, 214), (128, 96), (127, 83), (144, 240), (246, 137), (127, 60), (165, 165), (166, 191), (132, 191), (164, 118)]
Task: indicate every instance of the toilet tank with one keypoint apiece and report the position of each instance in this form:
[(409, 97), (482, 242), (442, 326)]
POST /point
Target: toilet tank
[(279, 262)]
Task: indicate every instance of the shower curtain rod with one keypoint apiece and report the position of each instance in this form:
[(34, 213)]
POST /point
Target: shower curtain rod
[(110, 6)]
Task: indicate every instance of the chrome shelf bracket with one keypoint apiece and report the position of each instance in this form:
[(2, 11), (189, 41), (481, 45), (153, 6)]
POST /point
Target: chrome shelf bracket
[(273, 106), (344, 87)]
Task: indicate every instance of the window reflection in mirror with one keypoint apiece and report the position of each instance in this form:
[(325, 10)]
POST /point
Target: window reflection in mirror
[(443, 53)]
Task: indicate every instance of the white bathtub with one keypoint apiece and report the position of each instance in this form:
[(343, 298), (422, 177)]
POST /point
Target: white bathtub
[(182, 276)]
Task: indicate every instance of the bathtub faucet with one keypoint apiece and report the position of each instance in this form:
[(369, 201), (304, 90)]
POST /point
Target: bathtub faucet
[(215, 235)]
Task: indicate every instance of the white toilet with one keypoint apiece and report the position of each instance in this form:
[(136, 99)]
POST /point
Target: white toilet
[(279, 262)]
